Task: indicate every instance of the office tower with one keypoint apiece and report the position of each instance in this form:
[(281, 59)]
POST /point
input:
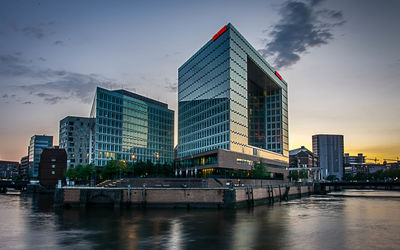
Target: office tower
[(230, 100), (36, 146), (76, 136), (131, 127), (329, 149)]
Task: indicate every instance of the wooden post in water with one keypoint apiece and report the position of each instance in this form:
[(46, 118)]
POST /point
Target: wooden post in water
[(129, 194), (272, 194), (144, 197), (280, 193)]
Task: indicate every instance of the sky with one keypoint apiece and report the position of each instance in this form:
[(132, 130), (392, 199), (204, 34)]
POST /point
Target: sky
[(340, 58)]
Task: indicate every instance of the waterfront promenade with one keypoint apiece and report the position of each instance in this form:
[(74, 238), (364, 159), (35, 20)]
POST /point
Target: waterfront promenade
[(198, 197)]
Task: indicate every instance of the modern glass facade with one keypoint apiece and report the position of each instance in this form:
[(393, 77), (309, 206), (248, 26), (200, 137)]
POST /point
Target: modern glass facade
[(229, 97), (36, 146), (131, 127)]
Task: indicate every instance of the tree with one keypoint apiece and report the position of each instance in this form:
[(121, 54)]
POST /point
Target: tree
[(71, 174), (331, 177), (113, 169), (80, 172), (259, 170), (303, 174), (347, 177), (293, 175)]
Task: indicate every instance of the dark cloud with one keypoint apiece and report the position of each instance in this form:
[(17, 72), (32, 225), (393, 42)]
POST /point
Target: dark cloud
[(68, 85), (59, 42), (171, 86), (38, 31), (13, 65), (52, 86), (28, 102), (302, 26)]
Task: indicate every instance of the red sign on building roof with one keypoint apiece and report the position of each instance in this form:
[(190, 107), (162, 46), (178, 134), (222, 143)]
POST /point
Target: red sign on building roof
[(278, 75), (220, 32)]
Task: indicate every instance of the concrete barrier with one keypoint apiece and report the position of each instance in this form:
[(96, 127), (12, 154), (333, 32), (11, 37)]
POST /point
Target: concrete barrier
[(179, 197)]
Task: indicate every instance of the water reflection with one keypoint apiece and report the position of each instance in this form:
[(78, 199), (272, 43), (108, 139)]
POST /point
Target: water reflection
[(318, 222)]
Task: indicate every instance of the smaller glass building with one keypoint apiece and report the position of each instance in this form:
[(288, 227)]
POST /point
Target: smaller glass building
[(131, 127), (36, 146)]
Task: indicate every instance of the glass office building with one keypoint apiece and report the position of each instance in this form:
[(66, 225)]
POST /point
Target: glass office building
[(36, 146), (230, 98), (131, 127)]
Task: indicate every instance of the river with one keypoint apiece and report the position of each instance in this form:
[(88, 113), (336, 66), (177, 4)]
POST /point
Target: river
[(349, 220)]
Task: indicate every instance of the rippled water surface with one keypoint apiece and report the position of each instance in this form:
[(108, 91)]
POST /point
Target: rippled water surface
[(352, 220)]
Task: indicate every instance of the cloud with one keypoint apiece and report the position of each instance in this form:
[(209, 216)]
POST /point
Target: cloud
[(49, 85), (29, 102), (67, 85), (59, 42), (302, 25), (171, 86), (13, 65), (38, 31)]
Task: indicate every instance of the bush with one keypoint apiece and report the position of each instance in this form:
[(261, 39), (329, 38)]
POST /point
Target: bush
[(80, 172)]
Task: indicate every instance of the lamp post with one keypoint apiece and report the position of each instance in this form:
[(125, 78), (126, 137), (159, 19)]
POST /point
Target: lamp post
[(157, 158), (133, 156)]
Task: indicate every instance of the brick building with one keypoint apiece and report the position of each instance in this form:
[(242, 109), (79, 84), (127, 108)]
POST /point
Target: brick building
[(53, 164)]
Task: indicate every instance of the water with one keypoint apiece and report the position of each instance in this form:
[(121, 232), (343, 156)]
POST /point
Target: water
[(369, 221)]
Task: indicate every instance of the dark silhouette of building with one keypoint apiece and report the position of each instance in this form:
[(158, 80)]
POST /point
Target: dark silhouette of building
[(9, 169), (53, 164), (24, 167)]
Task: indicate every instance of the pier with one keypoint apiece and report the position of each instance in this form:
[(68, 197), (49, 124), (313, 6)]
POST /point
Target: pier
[(224, 197)]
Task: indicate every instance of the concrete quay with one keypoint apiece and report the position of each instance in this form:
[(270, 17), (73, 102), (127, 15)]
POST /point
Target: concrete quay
[(233, 197)]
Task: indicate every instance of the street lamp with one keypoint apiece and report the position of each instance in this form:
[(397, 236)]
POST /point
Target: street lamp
[(133, 156), (157, 158)]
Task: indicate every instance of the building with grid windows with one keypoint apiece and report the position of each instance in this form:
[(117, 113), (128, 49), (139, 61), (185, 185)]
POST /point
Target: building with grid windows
[(330, 150), (131, 127), (76, 137), (9, 169), (36, 146), (232, 107)]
